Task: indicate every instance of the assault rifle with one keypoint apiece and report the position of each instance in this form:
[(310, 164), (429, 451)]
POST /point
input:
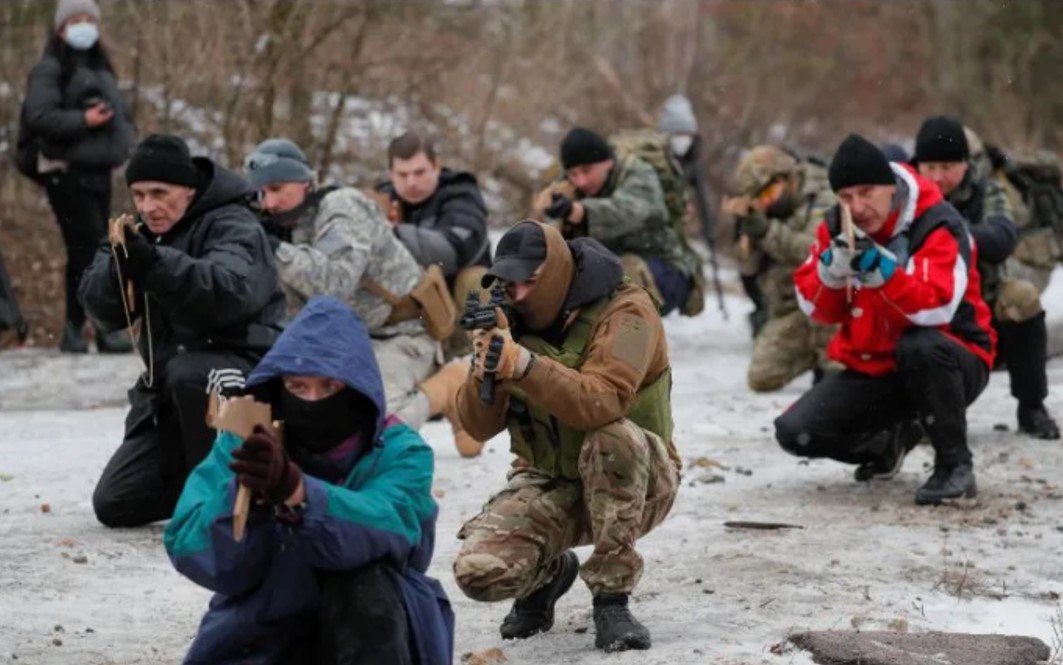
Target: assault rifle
[(479, 316)]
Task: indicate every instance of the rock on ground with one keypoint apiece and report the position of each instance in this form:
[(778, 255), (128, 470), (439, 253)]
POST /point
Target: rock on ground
[(881, 648)]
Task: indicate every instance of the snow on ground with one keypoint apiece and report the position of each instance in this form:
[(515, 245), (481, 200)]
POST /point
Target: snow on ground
[(867, 556)]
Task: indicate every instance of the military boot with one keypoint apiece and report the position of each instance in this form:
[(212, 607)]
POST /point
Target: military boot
[(952, 481), (1035, 421), (535, 614), (73, 339), (615, 628)]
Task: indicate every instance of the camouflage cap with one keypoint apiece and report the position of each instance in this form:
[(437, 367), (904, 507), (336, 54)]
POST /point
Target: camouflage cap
[(760, 166)]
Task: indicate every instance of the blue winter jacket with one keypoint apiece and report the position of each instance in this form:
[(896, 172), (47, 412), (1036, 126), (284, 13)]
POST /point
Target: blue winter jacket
[(266, 589)]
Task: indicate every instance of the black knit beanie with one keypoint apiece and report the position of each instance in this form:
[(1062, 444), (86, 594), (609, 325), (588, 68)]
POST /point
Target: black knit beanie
[(941, 139), (859, 162), (162, 158), (582, 146)]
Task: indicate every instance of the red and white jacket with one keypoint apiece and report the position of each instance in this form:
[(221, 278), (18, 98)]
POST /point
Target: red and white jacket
[(936, 284)]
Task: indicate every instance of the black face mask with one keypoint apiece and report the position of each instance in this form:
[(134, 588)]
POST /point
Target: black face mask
[(318, 426)]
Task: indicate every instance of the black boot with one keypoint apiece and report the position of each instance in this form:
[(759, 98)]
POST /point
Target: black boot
[(615, 628), (1035, 421), (116, 341), (535, 614), (73, 339), (901, 439), (953, 481)]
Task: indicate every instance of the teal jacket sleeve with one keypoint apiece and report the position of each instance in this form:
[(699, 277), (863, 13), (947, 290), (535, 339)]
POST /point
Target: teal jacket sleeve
[(385, 517), (199, 537)]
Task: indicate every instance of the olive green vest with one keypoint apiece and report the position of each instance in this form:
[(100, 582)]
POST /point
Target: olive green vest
[(554, 447)]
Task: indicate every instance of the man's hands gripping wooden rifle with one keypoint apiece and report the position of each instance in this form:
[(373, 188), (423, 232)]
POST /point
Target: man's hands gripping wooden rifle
[(854, 257)]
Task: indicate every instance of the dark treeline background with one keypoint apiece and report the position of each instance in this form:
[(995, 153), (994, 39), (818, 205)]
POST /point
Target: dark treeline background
[(500, 81)]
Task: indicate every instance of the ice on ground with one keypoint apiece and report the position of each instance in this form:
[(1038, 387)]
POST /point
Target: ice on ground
[(865, 557)]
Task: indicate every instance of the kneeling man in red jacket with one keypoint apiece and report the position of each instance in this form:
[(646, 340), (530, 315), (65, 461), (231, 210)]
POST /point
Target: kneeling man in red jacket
[(915, 334)]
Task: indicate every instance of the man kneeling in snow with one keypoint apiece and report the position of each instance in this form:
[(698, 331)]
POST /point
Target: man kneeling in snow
[(342, 524), (915, 334)]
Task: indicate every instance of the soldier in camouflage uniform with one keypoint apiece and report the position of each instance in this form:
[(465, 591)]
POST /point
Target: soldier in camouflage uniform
[(336, 241), (619, 202), (943, 155), (780, 204), (583, 389), (1040, 246)]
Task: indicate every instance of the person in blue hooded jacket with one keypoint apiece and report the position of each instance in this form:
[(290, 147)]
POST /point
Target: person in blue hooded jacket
[(342, 525)]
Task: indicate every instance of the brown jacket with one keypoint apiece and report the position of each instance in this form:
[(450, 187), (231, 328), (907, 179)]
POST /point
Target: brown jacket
[(627, 352)]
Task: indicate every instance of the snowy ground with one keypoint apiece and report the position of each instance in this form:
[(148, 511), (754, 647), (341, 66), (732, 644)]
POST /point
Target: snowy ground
[(73, 592)]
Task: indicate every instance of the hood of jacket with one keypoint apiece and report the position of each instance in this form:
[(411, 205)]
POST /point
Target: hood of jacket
[(326, 339)]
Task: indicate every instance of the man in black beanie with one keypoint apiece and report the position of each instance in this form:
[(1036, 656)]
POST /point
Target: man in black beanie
[(206, 298), (620, 203), (915, 334), (942, 154)]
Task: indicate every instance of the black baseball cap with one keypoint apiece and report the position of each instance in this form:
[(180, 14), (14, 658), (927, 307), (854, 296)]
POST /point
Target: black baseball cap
[(519, 253)]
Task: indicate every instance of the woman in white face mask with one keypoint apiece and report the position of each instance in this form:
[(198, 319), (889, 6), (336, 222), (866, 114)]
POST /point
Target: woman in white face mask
[(75, 130)]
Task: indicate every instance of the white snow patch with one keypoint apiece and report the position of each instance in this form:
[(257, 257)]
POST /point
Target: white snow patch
[(867, 554)]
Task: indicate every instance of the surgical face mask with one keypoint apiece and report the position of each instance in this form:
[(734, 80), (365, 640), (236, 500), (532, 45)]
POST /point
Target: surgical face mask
[(81, 36), (681, 144)]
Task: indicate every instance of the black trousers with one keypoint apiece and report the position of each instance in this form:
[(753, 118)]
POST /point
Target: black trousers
[(361, 621), (166, 436), (839, 417), (81, 202), (1023, 347)]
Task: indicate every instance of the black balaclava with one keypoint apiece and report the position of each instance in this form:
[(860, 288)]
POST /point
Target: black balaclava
[(318, 426)]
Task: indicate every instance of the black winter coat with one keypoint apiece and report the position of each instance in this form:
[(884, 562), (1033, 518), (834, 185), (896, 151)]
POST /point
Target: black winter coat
[(53, 113), (215, 285), (450, 227)]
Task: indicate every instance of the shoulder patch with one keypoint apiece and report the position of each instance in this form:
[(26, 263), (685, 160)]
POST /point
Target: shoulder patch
[(630, 346)]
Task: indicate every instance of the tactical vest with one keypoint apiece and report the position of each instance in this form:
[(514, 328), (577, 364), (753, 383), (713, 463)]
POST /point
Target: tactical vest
[(551, 446)]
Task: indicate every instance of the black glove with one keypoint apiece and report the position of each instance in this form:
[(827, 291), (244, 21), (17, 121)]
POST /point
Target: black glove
[(560, 207), (262, 465), (137, 258), (755, 225)]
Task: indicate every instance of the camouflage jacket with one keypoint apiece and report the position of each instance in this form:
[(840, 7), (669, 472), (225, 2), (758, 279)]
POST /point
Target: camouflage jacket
[(629, 215), (775, 257), (985, 206), (337, 243)]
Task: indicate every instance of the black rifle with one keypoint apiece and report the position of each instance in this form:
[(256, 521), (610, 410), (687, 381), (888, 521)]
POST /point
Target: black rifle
[(479, 316)]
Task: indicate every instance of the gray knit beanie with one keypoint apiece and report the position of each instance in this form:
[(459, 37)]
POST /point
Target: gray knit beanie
[(277, 160), (677, 116), (68, 8)]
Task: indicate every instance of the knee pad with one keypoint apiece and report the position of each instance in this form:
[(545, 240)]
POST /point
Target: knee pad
[(1017, 301)]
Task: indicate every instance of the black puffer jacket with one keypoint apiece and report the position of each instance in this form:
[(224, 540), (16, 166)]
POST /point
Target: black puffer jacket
[(449, 228), (215, 285), (53, 112)]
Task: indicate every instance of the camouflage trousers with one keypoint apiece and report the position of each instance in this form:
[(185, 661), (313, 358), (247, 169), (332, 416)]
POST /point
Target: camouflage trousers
[(786, 347), (628, 482), (405, 361)]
